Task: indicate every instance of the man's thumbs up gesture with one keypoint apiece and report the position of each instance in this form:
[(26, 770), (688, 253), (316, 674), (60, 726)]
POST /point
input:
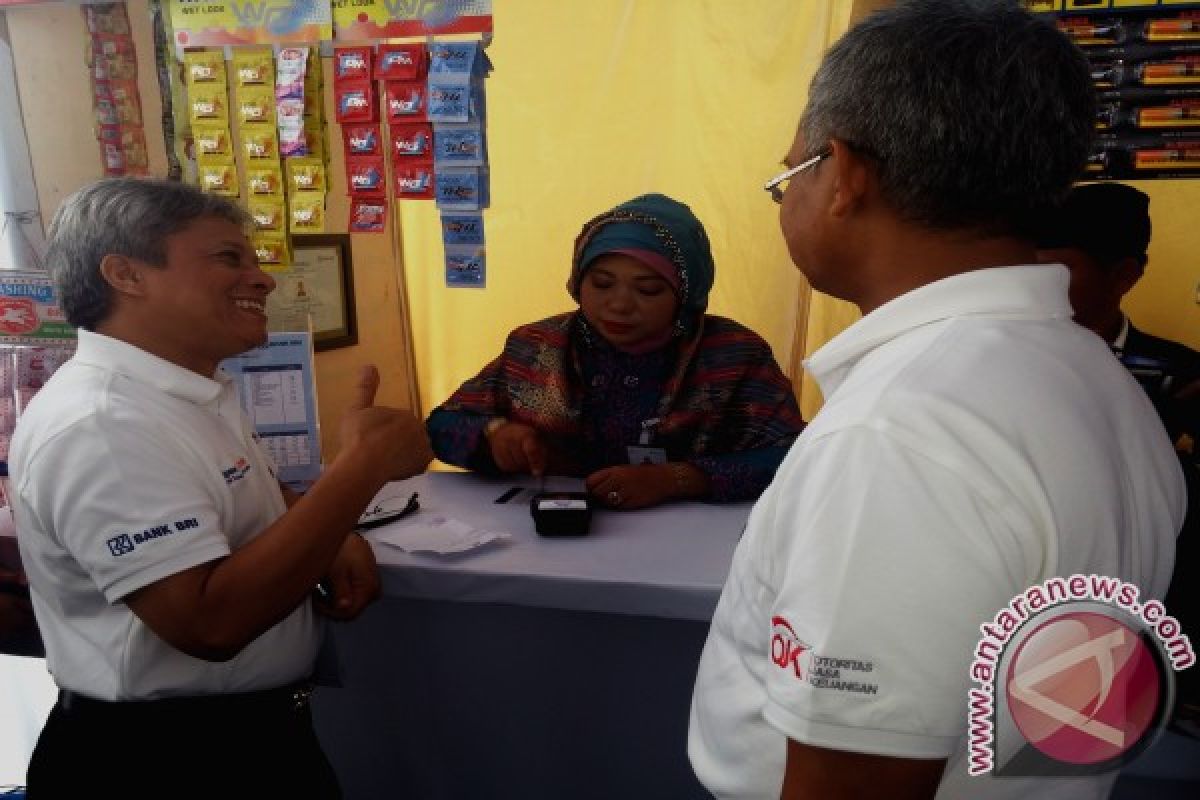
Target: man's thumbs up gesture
[(392, 438)]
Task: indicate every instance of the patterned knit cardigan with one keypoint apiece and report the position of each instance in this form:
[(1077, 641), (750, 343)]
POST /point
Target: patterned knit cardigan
[(725, 394)]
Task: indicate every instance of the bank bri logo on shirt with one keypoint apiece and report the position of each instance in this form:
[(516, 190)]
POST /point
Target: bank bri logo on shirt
[(124, 543), (120, 545), (236, 472)]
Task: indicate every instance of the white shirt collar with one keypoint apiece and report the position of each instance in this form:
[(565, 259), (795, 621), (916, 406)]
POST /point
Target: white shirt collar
[(1031, 291), (1119, 342), (137, 364)]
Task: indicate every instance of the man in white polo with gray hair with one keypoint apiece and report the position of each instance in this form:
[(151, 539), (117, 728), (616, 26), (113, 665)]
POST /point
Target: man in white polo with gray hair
[(171, 574), (959, 458)]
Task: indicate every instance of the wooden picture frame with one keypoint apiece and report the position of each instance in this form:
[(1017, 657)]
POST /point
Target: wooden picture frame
[(320, 284)]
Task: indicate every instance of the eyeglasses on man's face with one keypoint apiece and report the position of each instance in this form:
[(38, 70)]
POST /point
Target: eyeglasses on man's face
[(778, 185)]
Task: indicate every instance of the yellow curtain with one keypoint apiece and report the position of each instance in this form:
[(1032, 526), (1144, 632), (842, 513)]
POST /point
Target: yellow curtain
[(593, 103)]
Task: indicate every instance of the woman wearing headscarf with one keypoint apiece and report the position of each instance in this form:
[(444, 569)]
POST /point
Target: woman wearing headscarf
[(638, 391)]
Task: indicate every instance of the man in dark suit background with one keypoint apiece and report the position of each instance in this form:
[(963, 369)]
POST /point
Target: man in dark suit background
[(1101, 235)]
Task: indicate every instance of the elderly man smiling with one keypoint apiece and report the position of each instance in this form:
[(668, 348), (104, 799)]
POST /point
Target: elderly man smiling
[(170, 573)]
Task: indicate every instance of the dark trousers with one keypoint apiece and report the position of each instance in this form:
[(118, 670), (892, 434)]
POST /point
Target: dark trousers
[(254, 745)]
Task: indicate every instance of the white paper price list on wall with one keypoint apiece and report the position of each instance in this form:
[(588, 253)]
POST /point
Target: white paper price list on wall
[(277, 398), (277, 394)]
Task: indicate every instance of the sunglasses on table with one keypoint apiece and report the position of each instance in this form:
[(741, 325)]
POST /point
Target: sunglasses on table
[(385, 511)]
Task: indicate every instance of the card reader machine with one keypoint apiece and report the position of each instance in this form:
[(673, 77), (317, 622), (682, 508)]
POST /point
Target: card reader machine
[(561, 513)]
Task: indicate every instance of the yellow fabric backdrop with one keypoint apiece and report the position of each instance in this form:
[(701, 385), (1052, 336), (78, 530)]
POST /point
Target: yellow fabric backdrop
[(593, 103)]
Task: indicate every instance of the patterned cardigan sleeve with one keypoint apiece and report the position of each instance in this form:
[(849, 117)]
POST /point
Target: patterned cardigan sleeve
[(456, 428)]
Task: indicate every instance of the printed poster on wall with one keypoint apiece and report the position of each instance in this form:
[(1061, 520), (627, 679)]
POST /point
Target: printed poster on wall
[(209, 23), (276, 387), (355, 20)]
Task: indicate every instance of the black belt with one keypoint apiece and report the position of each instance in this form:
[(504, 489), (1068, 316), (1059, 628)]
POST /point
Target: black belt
[(292, 698)]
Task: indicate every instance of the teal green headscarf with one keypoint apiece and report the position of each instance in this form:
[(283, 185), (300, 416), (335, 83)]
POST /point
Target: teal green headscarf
[(653, 222)]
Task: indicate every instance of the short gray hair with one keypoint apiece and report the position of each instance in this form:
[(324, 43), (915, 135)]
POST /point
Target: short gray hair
[(120, 216), (978, 114)]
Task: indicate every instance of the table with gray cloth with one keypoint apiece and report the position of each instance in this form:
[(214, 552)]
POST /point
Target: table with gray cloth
[(533, 667)]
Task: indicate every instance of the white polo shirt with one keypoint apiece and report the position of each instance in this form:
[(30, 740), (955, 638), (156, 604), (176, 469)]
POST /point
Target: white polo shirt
[(974, 441), (127, 469)]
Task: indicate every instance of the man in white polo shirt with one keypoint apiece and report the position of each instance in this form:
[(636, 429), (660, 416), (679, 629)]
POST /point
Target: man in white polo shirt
[(171, 575), (960, 457)]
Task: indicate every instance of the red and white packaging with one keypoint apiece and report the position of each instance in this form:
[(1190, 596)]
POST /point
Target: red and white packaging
[(352, 64), (410, 140), (366, 176), (405, 101), (355, 102), (402, 62), (414, 179), (368, 214), (362, 140)]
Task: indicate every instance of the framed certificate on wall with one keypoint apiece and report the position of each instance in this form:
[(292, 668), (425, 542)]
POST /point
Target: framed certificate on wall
[(320, 285)]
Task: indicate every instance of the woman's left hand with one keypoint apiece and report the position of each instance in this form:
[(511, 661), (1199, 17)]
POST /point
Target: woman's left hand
[(632, 486)]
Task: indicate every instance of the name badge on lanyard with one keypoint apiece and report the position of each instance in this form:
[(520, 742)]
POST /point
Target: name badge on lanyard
[(642, 452)]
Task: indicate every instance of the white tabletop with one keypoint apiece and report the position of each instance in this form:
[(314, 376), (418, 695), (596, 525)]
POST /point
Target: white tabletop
[(669, 561)]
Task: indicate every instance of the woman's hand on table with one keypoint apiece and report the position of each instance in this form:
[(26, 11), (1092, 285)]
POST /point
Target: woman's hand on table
[(517, 447), (632, 486)]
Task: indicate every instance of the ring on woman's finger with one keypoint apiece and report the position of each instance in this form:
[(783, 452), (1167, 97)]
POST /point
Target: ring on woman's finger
[(614, 498)]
